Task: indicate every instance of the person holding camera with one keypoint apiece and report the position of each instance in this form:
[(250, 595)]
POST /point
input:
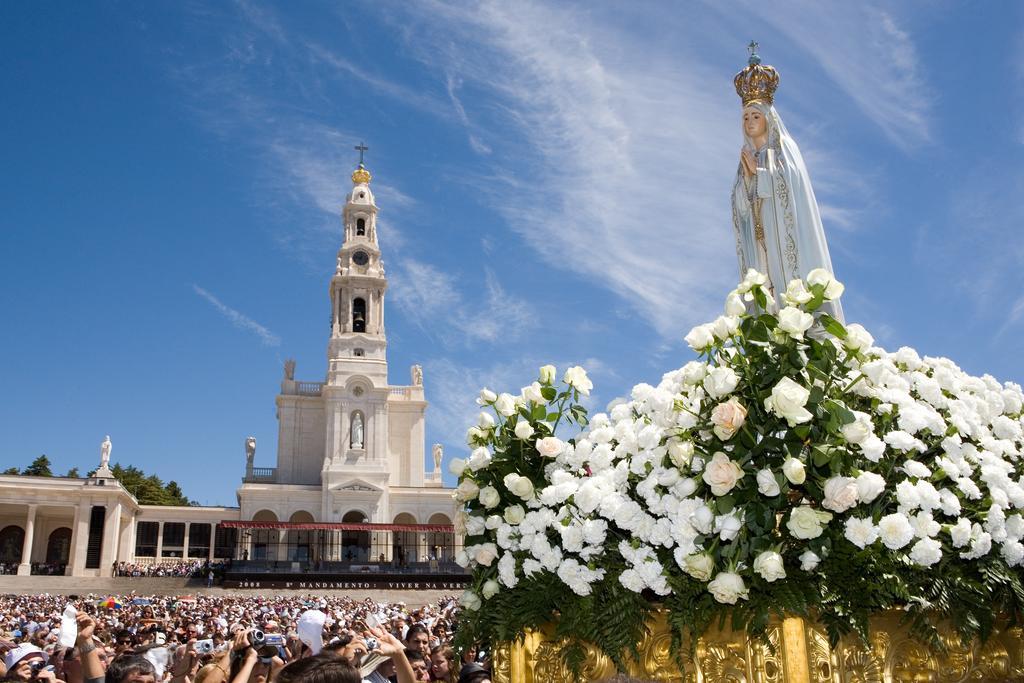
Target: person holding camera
[(26, 663)]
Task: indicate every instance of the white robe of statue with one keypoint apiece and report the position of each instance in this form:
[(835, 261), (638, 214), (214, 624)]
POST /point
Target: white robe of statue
[(794, 239)]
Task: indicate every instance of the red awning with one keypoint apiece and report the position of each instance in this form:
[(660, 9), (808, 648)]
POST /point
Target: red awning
[(327, 526)]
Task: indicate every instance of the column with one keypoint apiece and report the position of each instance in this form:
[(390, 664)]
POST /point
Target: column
[(80, 538), (213, 541), (111, 538), (184, 549), (25, 568), (159, 541)]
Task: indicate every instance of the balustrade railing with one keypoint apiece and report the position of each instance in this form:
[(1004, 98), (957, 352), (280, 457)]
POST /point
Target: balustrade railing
[(262, 474), (309, 388)]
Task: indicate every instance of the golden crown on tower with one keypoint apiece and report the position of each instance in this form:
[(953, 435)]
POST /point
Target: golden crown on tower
[(361, 175), (757, 82)]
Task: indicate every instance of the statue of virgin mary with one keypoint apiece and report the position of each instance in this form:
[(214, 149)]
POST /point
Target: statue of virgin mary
[(778, 226)]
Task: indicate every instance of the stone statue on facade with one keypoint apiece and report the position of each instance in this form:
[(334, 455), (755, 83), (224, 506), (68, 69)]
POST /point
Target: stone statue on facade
[(105, 449), (438, 456), (250, 450), (417, 376), (289, 369), (357, 431)]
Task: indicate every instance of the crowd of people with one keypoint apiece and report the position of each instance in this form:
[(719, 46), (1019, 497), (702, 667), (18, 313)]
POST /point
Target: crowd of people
[(38, 568), (231, 639), (182, 568)]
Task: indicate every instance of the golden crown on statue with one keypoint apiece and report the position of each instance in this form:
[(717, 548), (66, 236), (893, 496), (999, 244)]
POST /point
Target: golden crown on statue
[(361, 175), (757, 82)]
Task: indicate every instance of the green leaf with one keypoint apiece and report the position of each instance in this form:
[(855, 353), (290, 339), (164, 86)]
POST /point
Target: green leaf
[(548, 393), (832, 326)]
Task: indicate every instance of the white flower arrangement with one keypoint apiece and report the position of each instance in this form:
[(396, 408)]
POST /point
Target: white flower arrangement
[(793, 467)]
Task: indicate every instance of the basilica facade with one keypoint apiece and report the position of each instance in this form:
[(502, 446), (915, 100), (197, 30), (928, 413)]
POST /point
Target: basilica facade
[(349, 485)]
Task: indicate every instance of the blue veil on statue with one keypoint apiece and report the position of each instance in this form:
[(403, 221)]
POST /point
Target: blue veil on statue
[(778, 226)]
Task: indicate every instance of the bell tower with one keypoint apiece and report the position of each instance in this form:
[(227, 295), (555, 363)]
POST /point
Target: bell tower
[(358, 343)]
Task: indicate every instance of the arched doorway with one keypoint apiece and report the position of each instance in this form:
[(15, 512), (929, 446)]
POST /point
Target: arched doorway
[(404, 549), (12, 538), (441, 544), (262, 544), (355, 545), (58, 546), (300, 542)]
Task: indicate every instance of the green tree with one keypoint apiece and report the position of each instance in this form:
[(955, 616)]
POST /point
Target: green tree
[(149, 489), (11, 470), (40, 467), (73, 473)]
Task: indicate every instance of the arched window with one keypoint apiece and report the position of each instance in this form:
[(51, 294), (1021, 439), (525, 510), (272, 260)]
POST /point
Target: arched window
[(358, 353), (12, 538), (358, 315), (58, 546), (361, 226)]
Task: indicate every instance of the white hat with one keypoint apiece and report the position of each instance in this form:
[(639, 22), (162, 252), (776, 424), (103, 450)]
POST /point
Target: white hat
[(19, 653)]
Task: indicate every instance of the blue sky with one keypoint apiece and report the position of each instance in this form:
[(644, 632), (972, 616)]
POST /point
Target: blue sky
[(553, 182)]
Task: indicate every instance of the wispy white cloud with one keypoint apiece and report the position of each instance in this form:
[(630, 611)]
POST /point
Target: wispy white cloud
[(865, 51), (238, 319), (431, 298), (475, 142)]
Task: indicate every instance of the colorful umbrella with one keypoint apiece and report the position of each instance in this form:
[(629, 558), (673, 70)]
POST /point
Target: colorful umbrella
[(110, 603)]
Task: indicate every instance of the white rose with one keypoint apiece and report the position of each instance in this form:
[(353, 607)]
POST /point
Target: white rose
[(524, 430), (787, 401), (490, 589), (694, 371), (467, 490), (926, 552), (699, 566), (475, 525), (515, 514), (470, 601), (519, 485), (752, 279), (486, 397), (728, 417), (869, 486), (805, 522), (576, 377), (485, 553), (550, 446), (833, 288), (505, 404), (796, 294), (728, 587), (475, 435), (728, 526), (873, 448), (479, 459), (721, 474), (721, 381), (700, 337), (840, 494), (532, 393), (809, 561), (794, 471), (547, 374), (795, 322), (895, 530), (725, 326), (858, 431), (485, 421), (767, 484), (734, 304), (492, 522), (861, 532), (489, 497), (857, 338), (769, 565), (457, 466), (680, 452)]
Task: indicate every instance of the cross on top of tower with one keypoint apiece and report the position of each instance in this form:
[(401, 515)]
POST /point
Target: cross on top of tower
[(361, 147), (361, 175)]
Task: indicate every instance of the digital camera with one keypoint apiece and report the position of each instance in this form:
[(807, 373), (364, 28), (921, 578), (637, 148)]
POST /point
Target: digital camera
[(204, 647), (260, 639)]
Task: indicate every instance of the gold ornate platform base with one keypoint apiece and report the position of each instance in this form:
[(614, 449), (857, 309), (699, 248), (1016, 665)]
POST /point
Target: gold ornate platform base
[(801, 655)]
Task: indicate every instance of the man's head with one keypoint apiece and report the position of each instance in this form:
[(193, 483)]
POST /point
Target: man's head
[(420, 664), (418, 638), (24, 661), (131, 669)]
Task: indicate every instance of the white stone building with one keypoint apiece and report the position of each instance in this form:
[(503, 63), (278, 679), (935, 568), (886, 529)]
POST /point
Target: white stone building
[(350, 451)]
